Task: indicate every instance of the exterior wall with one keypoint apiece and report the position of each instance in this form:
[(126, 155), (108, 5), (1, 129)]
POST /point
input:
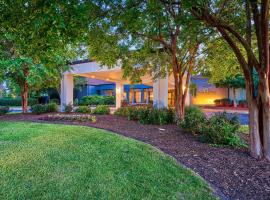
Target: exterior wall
[(240, 94), (207, 93), (208, 97), (104, 88)]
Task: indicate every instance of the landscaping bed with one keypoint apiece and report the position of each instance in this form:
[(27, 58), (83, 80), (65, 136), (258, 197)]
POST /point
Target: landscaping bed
[(231, 171)]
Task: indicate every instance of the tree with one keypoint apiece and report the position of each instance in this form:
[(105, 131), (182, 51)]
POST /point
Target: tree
[(37, 41), (234, 83), (141, 33), (245, 28)]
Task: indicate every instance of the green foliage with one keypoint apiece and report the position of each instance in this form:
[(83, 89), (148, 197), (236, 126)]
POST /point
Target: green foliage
[(8, 101), (94, 100), (52, 107), (39, 109), (147, 115), (102, 110), (237, 81), (70, 117), (221, 130), (243, 103), (193, 88), (4, 110), (223, 102), (56, 101), (123, 111), (83, 109), (194, 120), (68, 108), (46, 108)]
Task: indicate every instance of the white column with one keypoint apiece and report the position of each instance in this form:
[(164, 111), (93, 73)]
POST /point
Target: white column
[(160, 90), (188, 99), (119, 91), (66, 90)]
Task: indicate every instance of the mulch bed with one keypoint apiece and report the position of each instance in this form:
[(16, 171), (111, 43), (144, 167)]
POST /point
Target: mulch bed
[(232, 172)]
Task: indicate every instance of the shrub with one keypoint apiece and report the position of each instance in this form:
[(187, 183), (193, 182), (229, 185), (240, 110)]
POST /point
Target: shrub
[(147, 115), (46, 108), (102, 110), (222, 130), (193, 120), (7, 101), (56, 101), (83, 109), (243, 103), (123, 111), (223, 102), (4, 110), (94, 100), (39, 108), (72, 117), (156, 116), (68, 108), (52, 107)]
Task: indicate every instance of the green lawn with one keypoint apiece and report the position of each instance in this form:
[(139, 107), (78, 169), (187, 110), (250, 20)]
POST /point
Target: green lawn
[(244, 129), (42, 161)]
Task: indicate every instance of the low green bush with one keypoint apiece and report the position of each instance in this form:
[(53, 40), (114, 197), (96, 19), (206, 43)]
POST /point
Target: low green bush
[(94, 100), (243, 103), (4, 110), (7, 101), (123, 111), (68, 108), (52, 107), (102, 110), (39, 109), (83, 109), (44, 108), (223, 102), (194, 119), (56, 101), (147, 115), (222, 130)]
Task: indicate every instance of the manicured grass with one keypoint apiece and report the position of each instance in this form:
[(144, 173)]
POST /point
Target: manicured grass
[(43, 161), (244, 129)]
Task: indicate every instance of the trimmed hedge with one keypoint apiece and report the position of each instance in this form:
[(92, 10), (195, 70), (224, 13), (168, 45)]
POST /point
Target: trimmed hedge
[(7, 101), (95, 100), (4, 110), (147, 115), (47, 108), (223, 102), (83, 109), (102, 110)]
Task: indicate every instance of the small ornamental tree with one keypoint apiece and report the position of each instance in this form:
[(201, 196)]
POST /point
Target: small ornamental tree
[(244, 25), (234, 83), (161, 38)]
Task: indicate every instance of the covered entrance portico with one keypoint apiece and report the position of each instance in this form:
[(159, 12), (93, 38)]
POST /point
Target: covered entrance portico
[(162, 87)]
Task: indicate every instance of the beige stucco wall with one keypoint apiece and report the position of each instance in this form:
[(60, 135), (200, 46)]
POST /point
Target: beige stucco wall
[(208, 97)]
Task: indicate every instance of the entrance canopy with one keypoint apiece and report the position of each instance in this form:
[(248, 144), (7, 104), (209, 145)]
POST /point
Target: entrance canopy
[(92, 69)]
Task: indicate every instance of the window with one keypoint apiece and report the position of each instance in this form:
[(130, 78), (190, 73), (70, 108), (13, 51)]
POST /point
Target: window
[(108, 92)]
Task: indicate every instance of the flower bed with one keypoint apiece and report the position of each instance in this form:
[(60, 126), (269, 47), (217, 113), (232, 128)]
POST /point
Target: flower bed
[(72, 117)]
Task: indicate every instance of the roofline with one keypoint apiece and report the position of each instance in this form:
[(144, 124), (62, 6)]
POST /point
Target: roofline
[(80, 61)]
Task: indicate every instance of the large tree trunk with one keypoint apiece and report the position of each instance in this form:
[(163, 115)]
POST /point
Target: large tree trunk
[(24, 96), (265, 113), (234, 98), (24, 89), (254, 126)]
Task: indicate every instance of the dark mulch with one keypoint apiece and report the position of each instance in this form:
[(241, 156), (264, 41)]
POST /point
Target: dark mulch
[(231, 172)]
